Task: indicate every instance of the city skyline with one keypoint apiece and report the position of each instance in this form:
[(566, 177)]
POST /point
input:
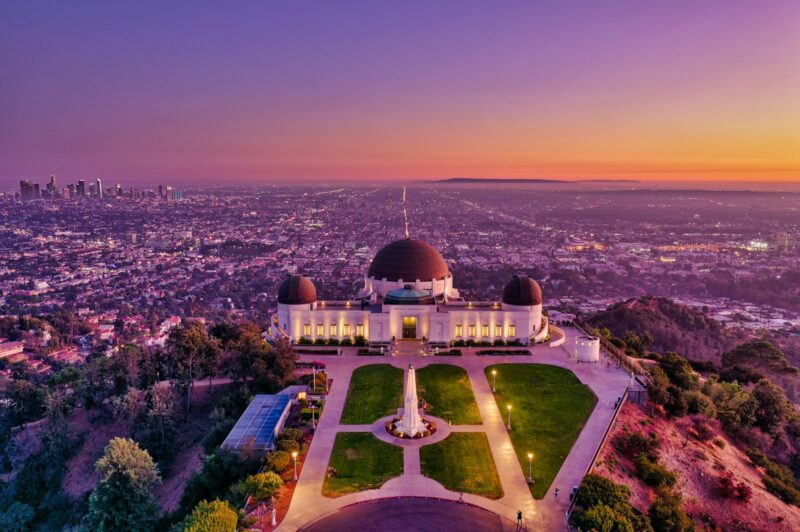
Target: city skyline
[(347, 93)]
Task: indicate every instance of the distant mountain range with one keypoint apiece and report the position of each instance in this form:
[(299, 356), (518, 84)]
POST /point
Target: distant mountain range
[(528, 180)]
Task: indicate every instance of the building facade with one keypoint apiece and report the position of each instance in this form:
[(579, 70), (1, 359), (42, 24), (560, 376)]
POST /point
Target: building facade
[(408, 294)]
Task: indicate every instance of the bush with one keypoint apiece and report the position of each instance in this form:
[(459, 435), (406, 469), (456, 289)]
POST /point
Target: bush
[(653, 473), (499, 342), (288, 445), (291, 434), (346, 342), (632, 444), (219, 471), (260, 487), (666, 514), (304, 341), (602, 517), (278, 461), (786, 491), (319, 341), (211, 516), (333, 341), (217, 434), (727, 488), (703, 428), (359, 341), (595, 490)]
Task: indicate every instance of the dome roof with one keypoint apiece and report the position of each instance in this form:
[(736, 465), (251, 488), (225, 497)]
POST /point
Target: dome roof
[(409, 260), (408, 295), (522, 291), (297, 290)]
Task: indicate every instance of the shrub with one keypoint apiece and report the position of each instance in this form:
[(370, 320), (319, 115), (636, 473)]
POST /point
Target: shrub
[(207, 516), (278, 460), (727, 488), (333, 341), (595, 490), (786, 491), (291, 434), (359, 341), (346, 342), (704, 428), (632, 444), (699, 403), (602, 517), (666, 514), (499, 342), (260, 486), (217, 434), (653, 473), (304, 341), (319, 341), (288, 445)]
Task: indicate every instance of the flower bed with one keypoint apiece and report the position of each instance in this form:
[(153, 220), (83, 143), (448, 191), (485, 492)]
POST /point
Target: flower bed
[(504, 352)]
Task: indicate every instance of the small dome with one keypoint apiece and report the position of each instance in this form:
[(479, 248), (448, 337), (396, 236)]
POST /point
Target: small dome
[(408, 295), (297, 290), (522, 291), (409, 260)]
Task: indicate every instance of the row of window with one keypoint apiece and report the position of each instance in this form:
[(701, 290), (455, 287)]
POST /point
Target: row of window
[(472, 329), (333, 330)]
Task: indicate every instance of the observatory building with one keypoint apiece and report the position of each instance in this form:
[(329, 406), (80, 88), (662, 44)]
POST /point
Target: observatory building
[(408, 294)]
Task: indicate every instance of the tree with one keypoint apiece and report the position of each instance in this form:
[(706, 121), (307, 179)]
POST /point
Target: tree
[(191, 352), (214, 516), (123, 499), (27, 400), (260, 486), (595, 490), (773, 406), (16, 518)]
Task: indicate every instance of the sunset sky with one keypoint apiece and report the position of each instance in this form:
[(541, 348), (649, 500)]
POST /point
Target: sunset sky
[(199, 92)]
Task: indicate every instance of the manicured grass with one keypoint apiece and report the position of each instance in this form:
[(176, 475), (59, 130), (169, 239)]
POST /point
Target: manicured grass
[(549, 408), (463, 462), (362, 462), (447, 391), (375, 391)]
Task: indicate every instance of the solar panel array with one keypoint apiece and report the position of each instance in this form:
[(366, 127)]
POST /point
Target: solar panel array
[(258, 423)]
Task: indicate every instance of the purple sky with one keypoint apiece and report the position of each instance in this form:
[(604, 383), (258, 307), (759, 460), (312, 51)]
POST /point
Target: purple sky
[(198, 92)]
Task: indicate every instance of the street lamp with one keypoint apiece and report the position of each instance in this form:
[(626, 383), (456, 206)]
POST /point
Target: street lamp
[(294, 456), (494, 381), (314, 377), (509, 416), (313, 420), (530, 468)]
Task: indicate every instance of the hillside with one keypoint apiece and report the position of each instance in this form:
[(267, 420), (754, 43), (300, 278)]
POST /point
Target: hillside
[(670, 327), (697, 464)]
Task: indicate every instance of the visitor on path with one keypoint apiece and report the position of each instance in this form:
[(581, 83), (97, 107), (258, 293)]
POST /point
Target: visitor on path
[(519, 518), (556, 493)]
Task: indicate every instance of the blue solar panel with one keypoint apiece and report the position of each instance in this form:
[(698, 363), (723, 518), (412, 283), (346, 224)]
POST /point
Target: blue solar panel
[(258, 422)]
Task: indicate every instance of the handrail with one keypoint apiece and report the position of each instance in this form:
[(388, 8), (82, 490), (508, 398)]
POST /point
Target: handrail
[(571, 506)]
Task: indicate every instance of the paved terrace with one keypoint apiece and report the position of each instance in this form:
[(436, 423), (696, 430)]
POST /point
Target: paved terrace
[(606, 381)]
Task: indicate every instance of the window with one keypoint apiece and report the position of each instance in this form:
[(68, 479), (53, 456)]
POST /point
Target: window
[(484, 330), (346, 329), (360, 329), (334, 332), (512, 330), (307, 329), (320, 330), (498, 330), (472, 330), (459, 329)]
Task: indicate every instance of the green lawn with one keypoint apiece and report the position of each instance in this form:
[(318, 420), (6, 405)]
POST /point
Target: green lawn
[(447, 391), (463, 462), (362, 462), (549, 408), (375, 391)]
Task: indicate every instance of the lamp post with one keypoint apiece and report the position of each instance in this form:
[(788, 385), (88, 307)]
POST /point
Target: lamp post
[(509, 417), (530, 468), (313, 419), (314, 377), (294, 456), (494, 381)]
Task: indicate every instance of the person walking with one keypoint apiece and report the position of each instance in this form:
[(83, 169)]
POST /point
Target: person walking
[(519, 518), (556, 493)]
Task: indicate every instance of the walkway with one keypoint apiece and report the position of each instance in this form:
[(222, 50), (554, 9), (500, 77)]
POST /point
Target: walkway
[(308, 504)]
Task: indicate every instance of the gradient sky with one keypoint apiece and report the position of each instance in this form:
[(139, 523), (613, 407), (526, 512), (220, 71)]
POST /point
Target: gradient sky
[(197, 92)]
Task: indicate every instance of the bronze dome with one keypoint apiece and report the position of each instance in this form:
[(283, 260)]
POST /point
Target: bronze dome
[(522, 291), (297, 290), (409, 260)]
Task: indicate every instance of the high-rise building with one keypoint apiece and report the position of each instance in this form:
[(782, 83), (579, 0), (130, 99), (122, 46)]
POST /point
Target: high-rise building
[(71, 190), (118, 191), (52, 190), (99, 188), (81, 187), (27, 190)]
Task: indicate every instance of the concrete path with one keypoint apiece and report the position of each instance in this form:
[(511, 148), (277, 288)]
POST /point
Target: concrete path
[(607, 382)]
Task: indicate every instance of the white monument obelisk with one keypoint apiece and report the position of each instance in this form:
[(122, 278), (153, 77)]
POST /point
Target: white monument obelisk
[(411, 423)]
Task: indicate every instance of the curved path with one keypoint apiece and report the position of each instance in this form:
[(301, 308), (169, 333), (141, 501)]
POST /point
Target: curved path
[(411, 514), (607, 382)]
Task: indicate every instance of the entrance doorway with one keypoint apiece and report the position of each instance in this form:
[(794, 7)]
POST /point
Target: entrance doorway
[(409, 327)]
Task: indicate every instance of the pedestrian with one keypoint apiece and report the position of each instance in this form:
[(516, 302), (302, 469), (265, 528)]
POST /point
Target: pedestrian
[(519, 518), (556, 494)]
